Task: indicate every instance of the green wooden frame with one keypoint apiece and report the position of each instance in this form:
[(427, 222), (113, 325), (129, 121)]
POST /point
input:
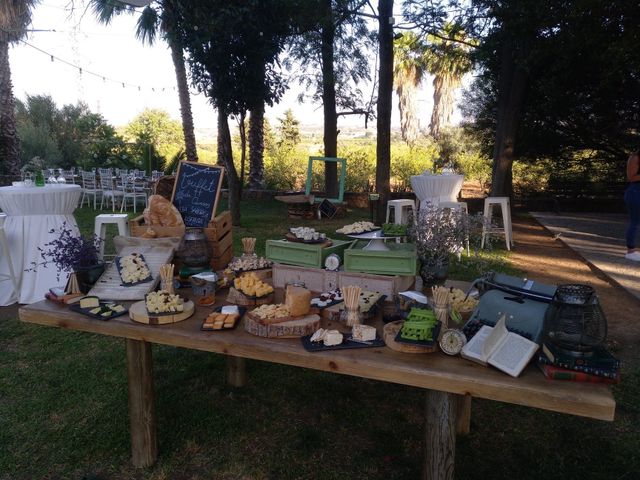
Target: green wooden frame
[(343, 174)]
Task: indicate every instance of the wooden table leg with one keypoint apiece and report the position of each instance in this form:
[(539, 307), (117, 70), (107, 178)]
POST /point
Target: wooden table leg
[(463, 417), (440, 435), (236, 371), (142, 409)]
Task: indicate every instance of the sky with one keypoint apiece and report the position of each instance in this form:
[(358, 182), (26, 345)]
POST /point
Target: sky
[(116, 56)]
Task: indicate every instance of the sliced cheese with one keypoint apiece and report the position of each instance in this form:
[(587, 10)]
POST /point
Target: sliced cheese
[(89, 302)]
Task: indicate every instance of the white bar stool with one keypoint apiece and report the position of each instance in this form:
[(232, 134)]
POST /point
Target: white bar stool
[(400, 208), (505, 206), (5, 251), (103, 220)]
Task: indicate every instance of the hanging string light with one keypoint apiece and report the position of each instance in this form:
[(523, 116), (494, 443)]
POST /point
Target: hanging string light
[(104, 78)]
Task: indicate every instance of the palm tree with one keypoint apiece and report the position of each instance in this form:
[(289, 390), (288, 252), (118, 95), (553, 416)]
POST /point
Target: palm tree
[(15, 16), (161, 17), (408, 71), (447, 58)]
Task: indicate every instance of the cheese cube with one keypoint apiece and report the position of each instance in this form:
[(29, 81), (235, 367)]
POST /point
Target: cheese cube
[(363, 333), (89, 302), (332, 337)]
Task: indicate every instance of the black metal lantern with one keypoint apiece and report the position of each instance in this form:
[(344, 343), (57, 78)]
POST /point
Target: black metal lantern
[(574, 321)]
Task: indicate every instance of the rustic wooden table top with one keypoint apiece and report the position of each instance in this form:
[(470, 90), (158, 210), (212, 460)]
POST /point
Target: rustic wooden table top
[(435, 371)]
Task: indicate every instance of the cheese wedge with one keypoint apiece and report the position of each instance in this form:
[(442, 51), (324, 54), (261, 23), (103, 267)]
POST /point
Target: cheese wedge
[(89, 302)]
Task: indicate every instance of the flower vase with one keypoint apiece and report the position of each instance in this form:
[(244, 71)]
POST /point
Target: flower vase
[(434, 271), (88, 276)]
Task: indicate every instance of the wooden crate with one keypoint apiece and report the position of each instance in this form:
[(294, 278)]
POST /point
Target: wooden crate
[(400, 259), (319, 280), (303, 254), (219, 234), (388, 285), (314, 279)]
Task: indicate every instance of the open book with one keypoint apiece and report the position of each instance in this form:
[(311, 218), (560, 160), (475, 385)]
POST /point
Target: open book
[(501, 348)]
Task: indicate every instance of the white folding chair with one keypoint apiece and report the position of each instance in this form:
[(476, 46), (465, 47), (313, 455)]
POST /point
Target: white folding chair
[(90, 188)]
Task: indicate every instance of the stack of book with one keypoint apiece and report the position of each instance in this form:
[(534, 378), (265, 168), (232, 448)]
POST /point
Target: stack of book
[(598, 367)]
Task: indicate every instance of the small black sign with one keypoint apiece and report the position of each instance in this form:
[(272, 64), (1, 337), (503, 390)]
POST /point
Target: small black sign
[(327, 208), (196, 192)]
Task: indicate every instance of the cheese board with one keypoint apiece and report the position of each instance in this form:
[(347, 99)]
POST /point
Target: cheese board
[(391, 331), (139, 258), (138, 313), (324, 241), (238, 298), (109, 285), (347, 343), (296, 328), (103, 307), (209, 326)]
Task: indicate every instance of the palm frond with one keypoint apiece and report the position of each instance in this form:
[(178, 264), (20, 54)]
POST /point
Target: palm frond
[(106, 10), (15, 16), (147, 26)]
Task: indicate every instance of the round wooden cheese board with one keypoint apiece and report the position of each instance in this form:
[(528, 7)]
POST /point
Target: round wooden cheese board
[(389, 334), (138, 313), (296, 328)]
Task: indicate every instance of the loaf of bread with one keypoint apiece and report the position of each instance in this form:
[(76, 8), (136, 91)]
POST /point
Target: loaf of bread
[(149, 233), (162, 212), (298, 300)]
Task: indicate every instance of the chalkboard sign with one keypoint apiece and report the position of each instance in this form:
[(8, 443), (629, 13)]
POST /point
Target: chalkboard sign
[(196, 192)]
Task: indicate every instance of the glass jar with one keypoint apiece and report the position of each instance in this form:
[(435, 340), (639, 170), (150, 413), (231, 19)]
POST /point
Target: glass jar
[(194, 249), (351, 316)]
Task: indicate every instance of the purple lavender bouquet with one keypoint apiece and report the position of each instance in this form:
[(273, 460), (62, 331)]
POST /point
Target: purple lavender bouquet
[(69, 252)]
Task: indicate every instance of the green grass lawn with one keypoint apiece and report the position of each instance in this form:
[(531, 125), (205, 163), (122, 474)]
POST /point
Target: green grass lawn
[(63, 411)]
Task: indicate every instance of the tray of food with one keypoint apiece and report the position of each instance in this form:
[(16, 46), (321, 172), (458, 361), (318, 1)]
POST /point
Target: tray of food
[(362, 336), (133, 269), (248, 263), (394, 230), (327, 299), (223, 318), (101, 310), (357, 228), (252, 287), (163, 303), (306, 235), (420, 328)]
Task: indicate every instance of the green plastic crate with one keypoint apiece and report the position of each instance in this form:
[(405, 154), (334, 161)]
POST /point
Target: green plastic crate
[(400, 259), (304, 254)]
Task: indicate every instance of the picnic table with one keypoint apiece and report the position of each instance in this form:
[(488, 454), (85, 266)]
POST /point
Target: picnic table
[(449, 382)]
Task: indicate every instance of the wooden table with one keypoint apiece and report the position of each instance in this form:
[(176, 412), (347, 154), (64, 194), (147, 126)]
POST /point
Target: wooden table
[(449, 382)]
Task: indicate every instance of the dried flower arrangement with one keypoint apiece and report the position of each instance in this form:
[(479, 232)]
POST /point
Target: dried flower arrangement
[(69, 251)]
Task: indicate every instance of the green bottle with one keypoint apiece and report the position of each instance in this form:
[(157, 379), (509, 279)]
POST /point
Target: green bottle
[(39, 179)]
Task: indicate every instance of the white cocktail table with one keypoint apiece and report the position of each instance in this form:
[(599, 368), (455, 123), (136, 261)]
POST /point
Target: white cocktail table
[(32, 213), (433, 189)]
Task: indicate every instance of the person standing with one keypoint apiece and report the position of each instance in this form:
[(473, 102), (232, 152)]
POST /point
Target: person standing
[(632, 200)]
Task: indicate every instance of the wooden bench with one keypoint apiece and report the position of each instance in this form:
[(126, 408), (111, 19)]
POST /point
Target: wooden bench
[(449, 382)]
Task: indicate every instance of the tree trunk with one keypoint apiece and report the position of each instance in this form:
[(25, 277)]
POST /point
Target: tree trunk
[(9, 140), (512, 85), (225, 156), (256, 148), (385, 98), (242, 129), (329, 102), (177, 55)]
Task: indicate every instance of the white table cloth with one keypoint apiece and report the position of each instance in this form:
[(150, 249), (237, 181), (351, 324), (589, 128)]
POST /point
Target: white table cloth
[(436, 188), (32, 212)]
